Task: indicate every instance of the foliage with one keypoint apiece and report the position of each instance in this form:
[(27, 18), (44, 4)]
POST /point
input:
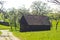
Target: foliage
[(40, 8), (55, 1), (14, 15), (54, 16)]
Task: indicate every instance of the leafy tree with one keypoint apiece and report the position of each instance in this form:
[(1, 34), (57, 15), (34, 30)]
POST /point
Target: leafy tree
[(56, 17), (2, 9), (39, 8), (12, 17), (15, 15)]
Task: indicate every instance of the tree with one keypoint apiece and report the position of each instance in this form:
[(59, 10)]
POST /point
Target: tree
[(57, 16), (40, 8), (2, 9), (1, 2), (55, 1), (15, 15), (12, 16), (22, 11)]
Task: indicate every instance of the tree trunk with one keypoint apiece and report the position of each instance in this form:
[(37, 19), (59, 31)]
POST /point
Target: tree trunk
[(15, 22), (15, 25), (57, 24), (11, 25)]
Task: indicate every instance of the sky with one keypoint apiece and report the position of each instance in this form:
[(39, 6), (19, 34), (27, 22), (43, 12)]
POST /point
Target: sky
[(26, 3), (18, 3)]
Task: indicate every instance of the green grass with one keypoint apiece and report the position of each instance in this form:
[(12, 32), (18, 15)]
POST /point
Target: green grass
[(52, 34), (2, 27), (0, 32), (41, 35)]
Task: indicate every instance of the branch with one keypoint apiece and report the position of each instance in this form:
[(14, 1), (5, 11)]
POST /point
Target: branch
[(55, 1)]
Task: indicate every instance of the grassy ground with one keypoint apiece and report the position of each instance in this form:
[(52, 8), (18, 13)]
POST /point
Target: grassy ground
[(52, 34), (0, 32), (2, 27)]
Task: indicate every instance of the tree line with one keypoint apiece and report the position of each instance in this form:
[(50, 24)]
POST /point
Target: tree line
[(38, 8)]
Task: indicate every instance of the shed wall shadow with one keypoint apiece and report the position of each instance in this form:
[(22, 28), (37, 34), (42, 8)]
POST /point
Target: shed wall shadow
[(34, 28)]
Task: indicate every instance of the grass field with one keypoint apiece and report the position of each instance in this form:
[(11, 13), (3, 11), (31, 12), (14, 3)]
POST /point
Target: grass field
[(2, 27), (52, 34), (0, 32)]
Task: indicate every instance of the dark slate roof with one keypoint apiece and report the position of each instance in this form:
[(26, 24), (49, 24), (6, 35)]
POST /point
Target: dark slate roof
[(37, 20)]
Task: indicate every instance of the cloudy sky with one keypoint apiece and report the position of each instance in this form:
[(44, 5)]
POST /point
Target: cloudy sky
[(17, 3), (27, 3)]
